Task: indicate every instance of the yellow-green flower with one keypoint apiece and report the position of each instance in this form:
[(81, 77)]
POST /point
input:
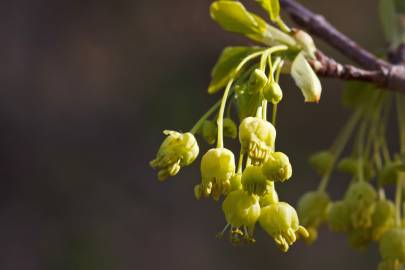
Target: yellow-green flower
[(176, 151), (253, 180), (280, 221), (339, 217), (313, 210), (383, 218), (360, 197), (392, 245), (217, 168), (271, 195), (277, 167), (257, 138)]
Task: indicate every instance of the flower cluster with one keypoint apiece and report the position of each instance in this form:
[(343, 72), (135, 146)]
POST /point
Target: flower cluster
[(250, 79), (365, 214)]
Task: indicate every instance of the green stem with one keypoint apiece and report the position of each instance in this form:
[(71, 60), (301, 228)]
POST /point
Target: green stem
[(274, 115), (220, 119), (264, 109), (398, 197), (339, 145), (240, 163), (361, 146), (200, 122)]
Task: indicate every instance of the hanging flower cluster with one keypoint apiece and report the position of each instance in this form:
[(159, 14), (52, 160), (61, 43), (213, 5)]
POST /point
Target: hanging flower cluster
[(364, 214), (250, 79)]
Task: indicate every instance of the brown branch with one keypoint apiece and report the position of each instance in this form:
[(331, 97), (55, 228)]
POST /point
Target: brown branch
[(377, 71), (327, 67)]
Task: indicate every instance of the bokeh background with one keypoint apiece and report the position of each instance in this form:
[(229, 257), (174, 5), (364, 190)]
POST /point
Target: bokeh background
[(87, 88)]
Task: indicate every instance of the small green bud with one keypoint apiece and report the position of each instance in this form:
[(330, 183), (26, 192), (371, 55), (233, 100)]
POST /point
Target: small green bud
[(388, 174), (277, 167), (383, 218), (241, 209), (313, 208), (280, 221), (257, 81), (236, 182), (350, 166), (321, 161), (271, 195), (217, 168), (176, 151), (253, 180), (339, 217), (230, 128), (392, 245), (390, 265), (272, 92), (360, 198), (257, 138), (360, 238), (209, 131)]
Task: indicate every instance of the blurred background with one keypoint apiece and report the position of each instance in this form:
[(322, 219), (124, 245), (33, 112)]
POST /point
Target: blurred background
[(87, 88)]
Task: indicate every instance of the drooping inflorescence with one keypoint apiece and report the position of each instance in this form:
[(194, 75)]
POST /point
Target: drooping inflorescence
[(246, 182), (250, 79)]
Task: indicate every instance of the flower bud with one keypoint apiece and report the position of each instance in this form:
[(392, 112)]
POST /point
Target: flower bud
[(313, 209), (280, 220), (257, 138), (176, 151), (241, 209), (388, 174), (253, 180), (360, 197), (383, 218), (306, 79), (272, 92), (321, 161), (217, 168), (392, 245), (350, 166), (271, 195), (277, 167), (230, 128), (257, 81), (209, 131), (339, 217)]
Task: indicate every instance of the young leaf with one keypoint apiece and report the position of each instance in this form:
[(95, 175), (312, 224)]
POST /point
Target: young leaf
[(272, 7), (226, 65), (233, 17), (306, 79)]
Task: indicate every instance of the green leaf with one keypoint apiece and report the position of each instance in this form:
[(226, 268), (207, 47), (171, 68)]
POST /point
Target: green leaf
[(226, 65), (306, 79), (272, 7), (233, 17)]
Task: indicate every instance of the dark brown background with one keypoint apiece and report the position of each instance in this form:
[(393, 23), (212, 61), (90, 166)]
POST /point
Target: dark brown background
[(86, 89)]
